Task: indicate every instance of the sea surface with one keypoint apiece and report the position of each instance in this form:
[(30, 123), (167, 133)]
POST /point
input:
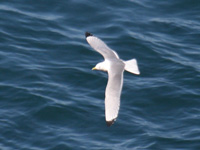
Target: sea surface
[(50, 99)]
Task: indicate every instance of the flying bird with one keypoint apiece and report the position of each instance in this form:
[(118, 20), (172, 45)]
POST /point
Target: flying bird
[(115, 68)]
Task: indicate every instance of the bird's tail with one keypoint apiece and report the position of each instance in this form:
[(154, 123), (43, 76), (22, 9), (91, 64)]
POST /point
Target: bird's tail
[(131, 66)]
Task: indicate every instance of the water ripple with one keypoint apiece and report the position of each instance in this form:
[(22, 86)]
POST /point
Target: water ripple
[(51, 99)]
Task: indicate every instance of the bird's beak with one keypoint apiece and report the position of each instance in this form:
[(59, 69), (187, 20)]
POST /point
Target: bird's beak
[(94, 68)]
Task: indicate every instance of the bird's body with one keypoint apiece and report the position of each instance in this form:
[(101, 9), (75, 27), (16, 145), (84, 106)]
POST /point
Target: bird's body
[(115, 68)]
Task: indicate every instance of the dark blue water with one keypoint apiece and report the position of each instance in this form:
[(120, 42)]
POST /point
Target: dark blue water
[(51, 99)]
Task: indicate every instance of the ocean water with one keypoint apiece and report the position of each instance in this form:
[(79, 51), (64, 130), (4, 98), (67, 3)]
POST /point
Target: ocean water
[(51, 99)]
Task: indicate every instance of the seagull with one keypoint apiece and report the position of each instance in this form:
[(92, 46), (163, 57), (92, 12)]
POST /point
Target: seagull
[(115, 67)]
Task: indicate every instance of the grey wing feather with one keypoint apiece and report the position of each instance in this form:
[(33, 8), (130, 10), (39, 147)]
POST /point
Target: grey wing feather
[(113, 92), (101, 47)]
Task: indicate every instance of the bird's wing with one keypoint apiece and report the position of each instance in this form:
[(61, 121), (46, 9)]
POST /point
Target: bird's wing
[(113, 91), (100, 46)]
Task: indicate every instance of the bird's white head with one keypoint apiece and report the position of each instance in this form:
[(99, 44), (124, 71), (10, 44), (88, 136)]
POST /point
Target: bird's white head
[(103, 66)]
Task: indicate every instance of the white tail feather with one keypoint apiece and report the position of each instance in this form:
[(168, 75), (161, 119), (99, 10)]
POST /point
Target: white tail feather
[(131, 66)]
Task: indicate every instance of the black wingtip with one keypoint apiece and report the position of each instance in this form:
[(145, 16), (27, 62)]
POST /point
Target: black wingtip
[(88, 34), (109, 123)]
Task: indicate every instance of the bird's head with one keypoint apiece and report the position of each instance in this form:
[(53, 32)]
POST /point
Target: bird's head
[(101, 66)]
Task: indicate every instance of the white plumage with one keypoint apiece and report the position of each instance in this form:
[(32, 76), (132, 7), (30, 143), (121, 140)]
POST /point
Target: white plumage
[(115, 68)]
